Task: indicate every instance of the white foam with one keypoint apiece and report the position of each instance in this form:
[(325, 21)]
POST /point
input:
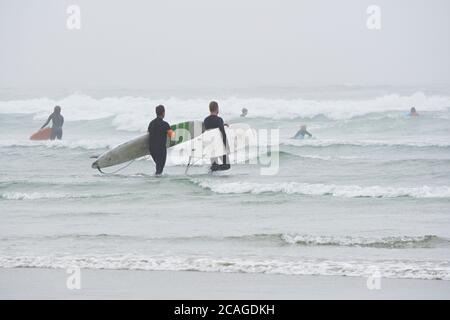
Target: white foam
[(88, 144), (386, 268), (436, 142), (133, 113), (384, 242), (346, 191), (49, 195)]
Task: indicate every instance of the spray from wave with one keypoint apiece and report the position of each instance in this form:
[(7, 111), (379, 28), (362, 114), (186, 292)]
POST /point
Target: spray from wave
[(82, 107)]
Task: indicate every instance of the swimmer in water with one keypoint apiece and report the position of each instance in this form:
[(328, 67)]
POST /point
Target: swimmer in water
[(413, 112), (244, 112), (57, 124), (302, 133)]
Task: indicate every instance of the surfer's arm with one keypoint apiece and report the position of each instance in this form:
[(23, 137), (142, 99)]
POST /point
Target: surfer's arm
[(168, 130), (47, 122), (222, 130), (170, 133), (309, 134)]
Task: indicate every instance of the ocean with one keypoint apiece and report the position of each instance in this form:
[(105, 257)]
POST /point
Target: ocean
[(369, 193)]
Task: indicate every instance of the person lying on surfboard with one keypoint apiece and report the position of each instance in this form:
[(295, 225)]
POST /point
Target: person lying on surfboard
[(213, 121), (57, 123), (159, 130), (302, 133)]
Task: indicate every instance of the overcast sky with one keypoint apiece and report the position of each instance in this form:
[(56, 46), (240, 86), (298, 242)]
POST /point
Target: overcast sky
[(140, 44)]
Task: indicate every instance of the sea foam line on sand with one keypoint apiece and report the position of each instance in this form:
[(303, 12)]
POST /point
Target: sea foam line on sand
[(437, 270)]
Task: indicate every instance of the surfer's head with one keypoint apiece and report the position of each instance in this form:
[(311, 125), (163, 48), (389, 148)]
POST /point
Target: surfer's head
[(57, 109), (244, 112), (160, 111), (413, 110), (214, 107)]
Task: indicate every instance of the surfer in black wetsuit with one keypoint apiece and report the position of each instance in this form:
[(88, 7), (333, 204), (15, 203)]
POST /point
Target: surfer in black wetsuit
[(413, 112), (158, 131), (57, 123), (302, 133), (213, 121)]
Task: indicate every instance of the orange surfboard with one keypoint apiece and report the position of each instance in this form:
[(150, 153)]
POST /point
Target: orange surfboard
[(42, 134)]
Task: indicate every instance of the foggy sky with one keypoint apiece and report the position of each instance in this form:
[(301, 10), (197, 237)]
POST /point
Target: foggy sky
[(198, 43)]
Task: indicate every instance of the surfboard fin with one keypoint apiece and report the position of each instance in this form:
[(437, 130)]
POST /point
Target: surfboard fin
[(188, 165)]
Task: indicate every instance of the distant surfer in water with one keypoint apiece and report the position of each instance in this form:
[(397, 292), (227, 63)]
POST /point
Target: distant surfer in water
[(57, 124), (213, 121), (413, 112), (302, 133), (159, 130), (244, 112)]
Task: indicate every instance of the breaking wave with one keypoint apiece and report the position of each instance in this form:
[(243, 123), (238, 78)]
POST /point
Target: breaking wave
[(82, 107), (87, 144), (348, 241), (385, 268), (52, 195), (295, 239), (364, 143), (346, 191)]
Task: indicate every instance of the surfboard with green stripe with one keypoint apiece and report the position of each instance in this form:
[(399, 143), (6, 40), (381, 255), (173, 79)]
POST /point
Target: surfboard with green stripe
[(185, 131)]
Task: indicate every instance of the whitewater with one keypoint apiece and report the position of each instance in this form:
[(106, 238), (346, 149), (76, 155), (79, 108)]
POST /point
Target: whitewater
[(370, 191)]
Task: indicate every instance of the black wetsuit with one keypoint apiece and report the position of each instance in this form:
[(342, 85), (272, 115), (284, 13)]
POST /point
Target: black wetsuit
[(301, 134), (57, 124), (157, 130), (213, 122)]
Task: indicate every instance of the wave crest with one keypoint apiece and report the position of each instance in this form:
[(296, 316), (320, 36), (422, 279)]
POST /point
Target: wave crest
[(346, 191), (347, 241), (52, 195), (82, 107)]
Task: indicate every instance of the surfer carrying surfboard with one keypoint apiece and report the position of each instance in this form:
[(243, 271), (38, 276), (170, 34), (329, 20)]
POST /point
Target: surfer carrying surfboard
[(213, 121), (159, 130), (57, 123)]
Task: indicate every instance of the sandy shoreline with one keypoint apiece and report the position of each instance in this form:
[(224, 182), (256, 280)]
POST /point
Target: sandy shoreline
[(33, 283)]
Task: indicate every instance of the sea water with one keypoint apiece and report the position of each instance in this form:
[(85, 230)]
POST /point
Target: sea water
[(370, 191)]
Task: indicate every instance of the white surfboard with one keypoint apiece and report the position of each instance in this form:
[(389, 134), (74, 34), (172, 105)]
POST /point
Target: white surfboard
[(210, 144), (139, 146)]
